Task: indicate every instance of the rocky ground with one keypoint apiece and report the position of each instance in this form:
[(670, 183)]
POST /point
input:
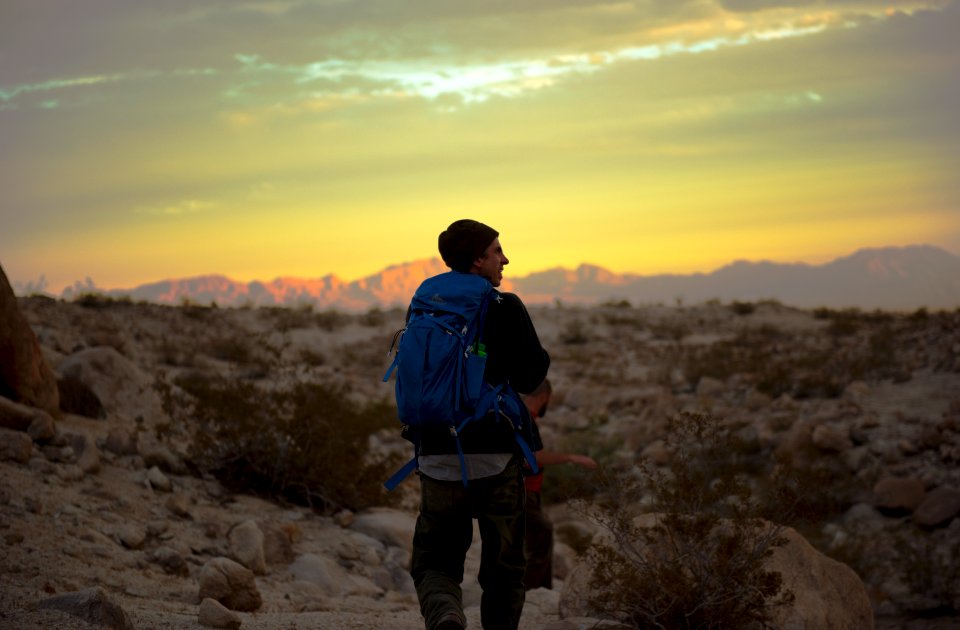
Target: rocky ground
[(110, 498)]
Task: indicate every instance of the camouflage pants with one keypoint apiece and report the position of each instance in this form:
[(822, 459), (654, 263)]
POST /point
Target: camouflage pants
[(444, 533)]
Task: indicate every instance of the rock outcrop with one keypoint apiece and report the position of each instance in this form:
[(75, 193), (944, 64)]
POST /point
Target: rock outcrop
[(24, 374)]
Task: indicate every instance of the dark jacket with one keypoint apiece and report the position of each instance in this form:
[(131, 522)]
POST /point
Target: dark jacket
[(514, 356)]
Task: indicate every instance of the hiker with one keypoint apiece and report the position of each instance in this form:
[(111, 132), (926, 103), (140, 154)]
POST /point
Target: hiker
[(485, 482), (539, 535)]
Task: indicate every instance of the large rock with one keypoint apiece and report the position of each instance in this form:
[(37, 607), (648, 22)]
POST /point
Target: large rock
[(231, 584), (899, 495), (25, 375), (246, 545), (213, 614), (389, 526), (938, 508), (19, 417), (828, 595), (122, 387), (93, 605)]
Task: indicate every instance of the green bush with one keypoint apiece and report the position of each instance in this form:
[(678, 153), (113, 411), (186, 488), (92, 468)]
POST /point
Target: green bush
[(696, 559), (307, 443)]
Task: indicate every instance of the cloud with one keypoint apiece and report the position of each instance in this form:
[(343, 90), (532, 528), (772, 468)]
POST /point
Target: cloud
[(185, 207)]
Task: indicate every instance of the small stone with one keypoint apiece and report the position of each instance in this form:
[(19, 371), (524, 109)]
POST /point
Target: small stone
[(246, 544), (213, 614), (830, 439), (131, 536), (231, 584), (171, 560), (158, 480), (179, 505)]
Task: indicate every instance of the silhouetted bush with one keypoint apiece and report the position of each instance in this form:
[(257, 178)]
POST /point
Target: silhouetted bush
[(307, 444), (100, 301), (696, 558)]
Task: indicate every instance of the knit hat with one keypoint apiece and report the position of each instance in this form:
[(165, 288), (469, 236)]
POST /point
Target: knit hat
[(463, 242)]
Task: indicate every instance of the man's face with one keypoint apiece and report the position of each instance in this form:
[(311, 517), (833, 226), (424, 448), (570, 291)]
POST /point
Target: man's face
[(490, 263)]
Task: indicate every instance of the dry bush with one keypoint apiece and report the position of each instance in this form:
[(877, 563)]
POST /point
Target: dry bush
[(307, 443), (696, 560)]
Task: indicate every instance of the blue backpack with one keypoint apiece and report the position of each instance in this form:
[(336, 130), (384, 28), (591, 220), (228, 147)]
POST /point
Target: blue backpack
[(440, 361)]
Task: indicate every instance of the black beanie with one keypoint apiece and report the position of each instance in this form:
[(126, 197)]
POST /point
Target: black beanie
[(463, 242)]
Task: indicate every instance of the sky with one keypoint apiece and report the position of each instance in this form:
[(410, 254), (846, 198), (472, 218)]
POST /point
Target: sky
[(157, 139)]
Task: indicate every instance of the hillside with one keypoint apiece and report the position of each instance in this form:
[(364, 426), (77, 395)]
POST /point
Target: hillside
[(116, 499)]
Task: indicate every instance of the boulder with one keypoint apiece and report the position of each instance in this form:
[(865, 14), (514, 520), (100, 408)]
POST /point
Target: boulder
[(19, 417), (93, 605), (277, 543), (246, 545), (25, 375), (121, 441), (122, 387), (831, 439), (938, 508), (213, 614), (389, 526), (320, 571), (828, 595), (898, 495), (231, 584)]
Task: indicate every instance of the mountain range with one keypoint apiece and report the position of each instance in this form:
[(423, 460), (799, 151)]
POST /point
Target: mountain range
[(891, 278)]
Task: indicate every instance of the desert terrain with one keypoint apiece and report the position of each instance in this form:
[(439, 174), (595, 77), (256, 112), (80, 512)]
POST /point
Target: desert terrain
[(119, 497)]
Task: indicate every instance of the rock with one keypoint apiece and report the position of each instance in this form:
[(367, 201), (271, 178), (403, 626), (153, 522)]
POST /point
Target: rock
[(25, 375), (88, 458), (709, 387), (831, 439), (277, 543), (21, 417), (42, 427), (213, 614), (158, 480), (231, 584), (938, 508), (656, 452), (156, 454), (320, 571), (898, 495), (131, 536), (170, 560), (179, 505), (121, 441), (122, 387), (827, 594), (77, 398), (389, 526), (93, 605), (15, 446), (246, 545)]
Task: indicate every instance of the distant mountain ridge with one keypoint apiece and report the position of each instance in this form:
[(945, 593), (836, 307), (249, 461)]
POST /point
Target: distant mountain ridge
[(891, 278)]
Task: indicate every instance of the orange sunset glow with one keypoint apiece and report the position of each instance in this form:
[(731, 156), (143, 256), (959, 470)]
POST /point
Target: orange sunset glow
[(151, 140)]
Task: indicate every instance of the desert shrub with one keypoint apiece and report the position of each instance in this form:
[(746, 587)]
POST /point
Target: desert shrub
[(373, 318), (307, 443), (574, 537), (574, 333), (234, 349), (330, 319), (742, 308), (696, 560), (286, 318), (100, 301)]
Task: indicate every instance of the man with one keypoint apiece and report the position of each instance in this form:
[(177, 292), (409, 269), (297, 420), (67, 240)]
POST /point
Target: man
[(539, 533), (494, 494)]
